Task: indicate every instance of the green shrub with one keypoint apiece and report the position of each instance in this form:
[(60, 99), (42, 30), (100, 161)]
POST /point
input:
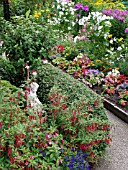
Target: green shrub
[(77, 111), (25, 40)]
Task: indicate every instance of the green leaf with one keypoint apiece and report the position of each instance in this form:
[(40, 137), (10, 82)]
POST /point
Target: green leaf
[(27, 13)]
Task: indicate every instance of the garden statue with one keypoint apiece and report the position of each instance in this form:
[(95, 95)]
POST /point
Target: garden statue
[(32, 97)]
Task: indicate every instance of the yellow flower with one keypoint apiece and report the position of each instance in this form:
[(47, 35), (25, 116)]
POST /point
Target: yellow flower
[(42, 10), (48, 16), (120, 39), (47, 10), (110, 36), (93, 64), (117, 68), (37, 14), (98, 61)]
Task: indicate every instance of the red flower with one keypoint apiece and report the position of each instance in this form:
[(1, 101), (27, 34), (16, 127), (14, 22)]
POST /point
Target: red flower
[(64, 106), (92, 154), (0, 125), (38, 4), (60, 48), (9, 151), (11, 99), (95, 103)]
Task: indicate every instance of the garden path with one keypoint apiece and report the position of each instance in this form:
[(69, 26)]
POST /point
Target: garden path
[(117, 153)]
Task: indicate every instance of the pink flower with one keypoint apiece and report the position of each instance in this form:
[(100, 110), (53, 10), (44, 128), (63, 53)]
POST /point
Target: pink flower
[(123, 103), (31, 157), (47, 136), (60, 161), (26, 163), (50, 142)]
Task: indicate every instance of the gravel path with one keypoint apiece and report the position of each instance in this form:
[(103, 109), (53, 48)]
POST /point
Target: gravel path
[(117, 154)]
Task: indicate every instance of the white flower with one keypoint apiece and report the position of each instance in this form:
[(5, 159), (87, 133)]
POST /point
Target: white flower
[(108, 23), (100, 27), (119, 48), (111, 41), (45, 61), (34, 72)]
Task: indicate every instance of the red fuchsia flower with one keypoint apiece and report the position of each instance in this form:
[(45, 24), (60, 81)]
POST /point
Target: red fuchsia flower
[(64, 106), (60, 48), (9, 151), (62, 141), (12, 99), (34, 72), (11, 160), (18, 94), (92, 154), (26, 65), (95, 103), (105, 127), (108, 141), (45, 61), (0, 125)]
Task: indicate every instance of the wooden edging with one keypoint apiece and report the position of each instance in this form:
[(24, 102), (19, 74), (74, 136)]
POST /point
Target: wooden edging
[(116, 110)]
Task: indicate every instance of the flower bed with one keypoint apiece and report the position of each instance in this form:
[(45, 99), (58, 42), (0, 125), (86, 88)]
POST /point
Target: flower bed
[(62, 145)]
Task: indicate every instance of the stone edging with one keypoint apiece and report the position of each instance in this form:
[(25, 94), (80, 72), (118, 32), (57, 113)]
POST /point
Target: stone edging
[(116, 110)]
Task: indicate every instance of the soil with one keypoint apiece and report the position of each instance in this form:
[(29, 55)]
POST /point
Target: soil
[(114, 98)]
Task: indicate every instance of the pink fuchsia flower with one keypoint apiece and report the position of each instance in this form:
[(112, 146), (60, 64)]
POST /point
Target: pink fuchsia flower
[(26, 66), (126, 30), (26, 163), (31, 157), (60, 161), (34, 72), (45, 61), (47, 137), (123, 103), (50, 142)]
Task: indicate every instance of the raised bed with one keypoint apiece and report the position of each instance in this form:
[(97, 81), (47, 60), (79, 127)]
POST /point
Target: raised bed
[(116, 110)]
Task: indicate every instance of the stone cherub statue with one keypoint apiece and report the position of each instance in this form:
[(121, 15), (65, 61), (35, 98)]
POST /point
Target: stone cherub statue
[(33, 100)]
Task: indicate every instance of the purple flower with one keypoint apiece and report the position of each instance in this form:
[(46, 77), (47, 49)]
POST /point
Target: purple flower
[(78, 6), (85, 8), (126, 30)]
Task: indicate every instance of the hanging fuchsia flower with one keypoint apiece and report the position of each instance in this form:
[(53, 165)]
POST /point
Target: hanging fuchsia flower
[(45, 61), (26, 66), (34, 72), (60, 48)]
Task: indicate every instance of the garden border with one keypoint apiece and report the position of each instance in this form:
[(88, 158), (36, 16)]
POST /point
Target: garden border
[(116, 110)]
